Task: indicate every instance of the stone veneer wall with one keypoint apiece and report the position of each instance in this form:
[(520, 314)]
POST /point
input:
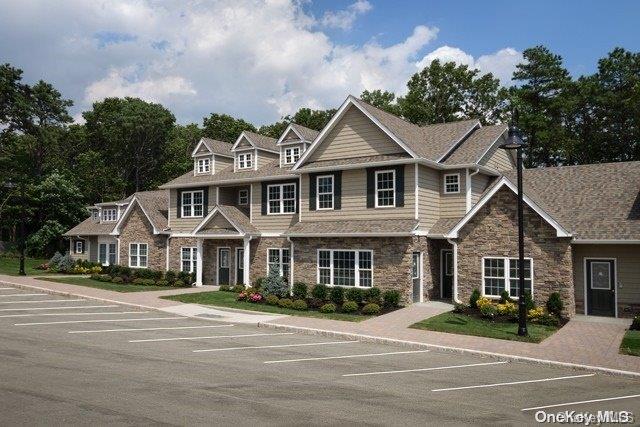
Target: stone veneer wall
[(210, 260), (432, 277), (175, 247), (137, 229), (493, 232), (258, 255)]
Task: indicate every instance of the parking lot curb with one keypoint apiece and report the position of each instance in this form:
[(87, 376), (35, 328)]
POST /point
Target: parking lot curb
[(444, 348)]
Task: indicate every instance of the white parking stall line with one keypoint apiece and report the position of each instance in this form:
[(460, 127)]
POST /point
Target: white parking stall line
[(41, 301), (22, 295), (346, 357), (58, 308), (5, 288), (580, 402), (95, 313), (543, 380), (141, 319), (273, 346), (148, 329), (212, 337), (438, 368)]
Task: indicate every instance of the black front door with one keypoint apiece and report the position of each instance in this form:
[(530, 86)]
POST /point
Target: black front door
[(239, 266), (601, 288), (416, 273), (446, 274), (223, 266)]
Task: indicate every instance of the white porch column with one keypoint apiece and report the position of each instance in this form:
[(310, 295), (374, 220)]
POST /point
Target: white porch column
[(199, 258), (246, 266)]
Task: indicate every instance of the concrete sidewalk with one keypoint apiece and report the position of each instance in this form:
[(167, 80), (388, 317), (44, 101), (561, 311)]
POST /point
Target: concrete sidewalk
[(584, 341), (143, 300)]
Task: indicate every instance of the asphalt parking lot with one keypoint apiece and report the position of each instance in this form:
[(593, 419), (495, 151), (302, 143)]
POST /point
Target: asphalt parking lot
[(78, 362)]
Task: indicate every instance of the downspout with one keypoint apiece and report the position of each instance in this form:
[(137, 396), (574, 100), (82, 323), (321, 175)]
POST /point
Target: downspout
[(167, 256), (469, 186), (455, 271), (117, 252), (290, 264)]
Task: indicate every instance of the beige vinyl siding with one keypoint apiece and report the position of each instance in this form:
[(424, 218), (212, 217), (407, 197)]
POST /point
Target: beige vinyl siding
[(479, 182), (265, 157), (354, 199), (428, 196), (291, 136), (355, 135), (453, 205), (499, 159), (268, 223), (72, 249), (92, 241), (186, 224), (627, 267), (218, 222), (244, 143), (222, 163), (195, 165), (203, 149), (229, 196)]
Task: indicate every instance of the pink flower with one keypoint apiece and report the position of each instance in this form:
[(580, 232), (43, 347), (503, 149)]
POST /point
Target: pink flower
[(256, 297)]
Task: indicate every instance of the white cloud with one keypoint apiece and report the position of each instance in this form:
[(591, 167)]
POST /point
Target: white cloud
[(344, 19), (501, 63)]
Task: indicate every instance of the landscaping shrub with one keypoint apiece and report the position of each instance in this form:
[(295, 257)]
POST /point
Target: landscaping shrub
[(316, 303), (336, 295), (507, 309), (488, 311), (299, 304), (95, 277), (285, 303), (145, 273), (459, 308), (349, 307), (242, 296), (504, 297), (180, 284), (117, 279), (55, 259), (272, 300), (635, 325), (528, 300), (320, 292), (238, 288), (65, 264), (483, 301), (475, 296), (555, 304), (162, 283), (373, 295), (259, 282), (170, 276), (145, 282), (391, 298), (300, 290), (535, 313), (103, 277), (328, 308), (275, 284), (255, 297), (224, 288), (547, 319), (371, 308), (186, 277), (354, 294)]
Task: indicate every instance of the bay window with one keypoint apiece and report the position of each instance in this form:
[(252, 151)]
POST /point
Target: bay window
[(345, 267)]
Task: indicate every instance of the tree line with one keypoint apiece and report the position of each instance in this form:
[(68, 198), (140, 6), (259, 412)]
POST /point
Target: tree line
[(53, 168)]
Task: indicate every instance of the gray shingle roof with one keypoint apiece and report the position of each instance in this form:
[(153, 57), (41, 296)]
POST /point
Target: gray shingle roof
[(474, 147), (307, 134), (238, 218), (354, 161), (342, 227), (443, 226), (90, 227), (155, 204), (218, 147), (262, 141)]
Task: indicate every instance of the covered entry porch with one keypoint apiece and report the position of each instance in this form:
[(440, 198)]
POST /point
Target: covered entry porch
[(222, 260)]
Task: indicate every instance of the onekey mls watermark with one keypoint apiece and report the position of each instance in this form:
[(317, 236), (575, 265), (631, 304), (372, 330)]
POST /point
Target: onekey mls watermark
[(585, 417)]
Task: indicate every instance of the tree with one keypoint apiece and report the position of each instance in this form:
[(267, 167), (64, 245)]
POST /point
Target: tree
[(223, 127), (382, 99), (448, 92), (131, 134), (177, 155), (312, 119)]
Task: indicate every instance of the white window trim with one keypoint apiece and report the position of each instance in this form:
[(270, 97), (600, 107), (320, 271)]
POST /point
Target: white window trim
[(203, 165), (240, 265), (457, 175), (356, 264), (182, 205), (107, 244), (108, 218), (280, 260), (245, 161), (81, 244), (333, 191), (193, 253), (282, 199), (393, 188), (293, 160), (507, 275), (137, 264), (240, 197)]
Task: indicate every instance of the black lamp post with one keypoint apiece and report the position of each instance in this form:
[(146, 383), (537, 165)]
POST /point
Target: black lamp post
[(515, 143)]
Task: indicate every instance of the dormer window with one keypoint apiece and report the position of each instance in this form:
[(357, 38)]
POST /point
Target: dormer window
[(245, 161), (203, 165), (109, 215), (291, 155), (95, 215)]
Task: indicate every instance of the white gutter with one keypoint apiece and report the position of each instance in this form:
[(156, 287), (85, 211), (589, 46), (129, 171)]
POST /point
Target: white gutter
[(290, 264), (228, 181), (167, 255), (605, 242), (455, 271)]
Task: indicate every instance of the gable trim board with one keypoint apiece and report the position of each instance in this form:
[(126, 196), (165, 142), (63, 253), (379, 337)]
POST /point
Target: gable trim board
[(560, 231), (195, 153), (209, 217), (290, 128), (350, 101), (245, 136), (125, 214), (490, 147)]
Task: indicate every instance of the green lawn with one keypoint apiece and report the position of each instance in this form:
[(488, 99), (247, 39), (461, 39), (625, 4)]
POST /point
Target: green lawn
[(228, 299), (118, 287), (631, 343), (11, 266), (463, 324)]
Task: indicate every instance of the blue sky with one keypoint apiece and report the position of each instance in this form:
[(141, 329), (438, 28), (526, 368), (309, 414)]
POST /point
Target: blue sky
[(262, 59)]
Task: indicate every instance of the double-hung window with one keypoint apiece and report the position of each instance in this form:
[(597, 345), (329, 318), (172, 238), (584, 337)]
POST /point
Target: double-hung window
[(324, 198), (385, 188), (452, 183), (79, 246), (192, 204), (291, 155), (279, 260), (188, 257), (243, 197), (281, 198), (138, 255), (204, 165), (107, 253), (109, 214), (500, 274), (345, 268), (245, 161)]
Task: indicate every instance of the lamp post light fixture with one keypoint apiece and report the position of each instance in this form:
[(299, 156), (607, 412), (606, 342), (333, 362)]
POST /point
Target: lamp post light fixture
[(515, 143)]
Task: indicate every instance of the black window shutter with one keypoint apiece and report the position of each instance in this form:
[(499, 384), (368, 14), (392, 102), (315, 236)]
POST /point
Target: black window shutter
[(400, 186), (312, 191), (371, 187), (264, 198), (337, 190), (179, 204), (205, 201)]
